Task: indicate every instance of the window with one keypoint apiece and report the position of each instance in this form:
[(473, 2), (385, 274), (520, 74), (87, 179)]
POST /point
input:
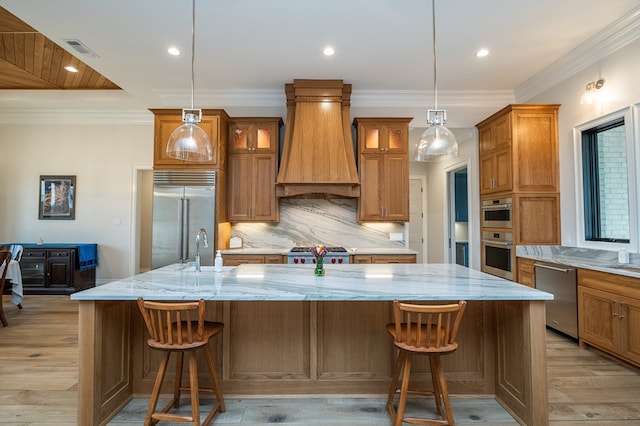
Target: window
[(604, 177), (606, 187)]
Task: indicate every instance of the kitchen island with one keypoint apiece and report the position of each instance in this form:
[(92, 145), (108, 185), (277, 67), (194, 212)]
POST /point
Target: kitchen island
[(289, 332)]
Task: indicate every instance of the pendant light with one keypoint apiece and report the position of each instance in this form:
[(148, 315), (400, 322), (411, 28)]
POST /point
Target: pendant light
[(189, 142), (437, 142)]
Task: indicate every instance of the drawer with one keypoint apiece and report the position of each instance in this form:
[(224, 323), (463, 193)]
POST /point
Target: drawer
[(59, 253), (33, 253)]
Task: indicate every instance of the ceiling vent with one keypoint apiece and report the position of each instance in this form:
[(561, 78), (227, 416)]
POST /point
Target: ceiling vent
[(80, 47)]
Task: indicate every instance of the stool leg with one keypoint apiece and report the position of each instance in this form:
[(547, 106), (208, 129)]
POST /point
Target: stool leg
[(448, 414), (155, 394), (393, 387), (178, 382), (404, 388), (193, 383), (216, 384), (437, 392)]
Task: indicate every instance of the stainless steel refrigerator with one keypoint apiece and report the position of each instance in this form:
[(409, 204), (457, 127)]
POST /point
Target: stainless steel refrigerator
[(183, 203)]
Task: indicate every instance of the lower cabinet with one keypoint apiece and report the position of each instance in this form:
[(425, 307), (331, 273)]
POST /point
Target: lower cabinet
[(239, 259), (53, 271), (609, 312), (384, 258), (526, 272)]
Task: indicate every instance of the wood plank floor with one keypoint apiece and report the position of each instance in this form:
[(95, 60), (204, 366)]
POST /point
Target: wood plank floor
[(39, 373)]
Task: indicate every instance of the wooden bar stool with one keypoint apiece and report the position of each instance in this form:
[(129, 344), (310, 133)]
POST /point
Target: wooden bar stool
[(180, 327), (423, 330)]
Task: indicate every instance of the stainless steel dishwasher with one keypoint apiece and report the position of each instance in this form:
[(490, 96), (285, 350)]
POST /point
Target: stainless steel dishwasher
[(562, 311)]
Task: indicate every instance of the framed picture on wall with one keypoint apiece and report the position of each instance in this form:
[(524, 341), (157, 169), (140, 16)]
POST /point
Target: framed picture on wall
[(57, 197)]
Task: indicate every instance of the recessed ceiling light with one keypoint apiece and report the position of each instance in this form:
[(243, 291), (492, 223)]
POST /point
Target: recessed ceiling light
[(71, 68), (174, 51), (482, 53), (328, 51)]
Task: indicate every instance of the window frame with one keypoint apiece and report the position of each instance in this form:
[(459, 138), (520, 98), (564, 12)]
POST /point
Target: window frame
[(630, 116)]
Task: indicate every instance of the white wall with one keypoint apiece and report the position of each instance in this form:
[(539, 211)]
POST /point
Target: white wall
[(102, 157), (622, 89)]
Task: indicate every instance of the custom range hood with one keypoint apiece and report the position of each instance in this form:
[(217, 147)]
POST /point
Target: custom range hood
[(318, 157)]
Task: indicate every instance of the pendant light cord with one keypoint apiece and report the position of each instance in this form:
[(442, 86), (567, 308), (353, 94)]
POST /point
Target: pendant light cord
[(435, 79), (193, 48)]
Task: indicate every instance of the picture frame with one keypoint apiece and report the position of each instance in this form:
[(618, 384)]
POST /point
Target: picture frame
[(57, 197)]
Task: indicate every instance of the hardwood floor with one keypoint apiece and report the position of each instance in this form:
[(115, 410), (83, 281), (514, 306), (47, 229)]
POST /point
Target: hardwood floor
[(39, 372)]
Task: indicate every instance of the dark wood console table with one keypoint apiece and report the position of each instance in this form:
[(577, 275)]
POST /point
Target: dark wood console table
[(58, 268)]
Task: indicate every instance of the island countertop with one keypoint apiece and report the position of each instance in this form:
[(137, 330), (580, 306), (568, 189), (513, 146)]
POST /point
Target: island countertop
[(352, 282)]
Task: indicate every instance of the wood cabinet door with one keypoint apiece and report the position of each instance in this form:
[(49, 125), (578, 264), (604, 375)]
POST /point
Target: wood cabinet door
[(240, 187), (396, 188), (393, 258), (503, 171), (629, 311), (526, 272), (371, 181), (264, 205), (380, 136), (240, 259), (598, 320), (535, 152), (487, 170), (537, 219), (251, 135)]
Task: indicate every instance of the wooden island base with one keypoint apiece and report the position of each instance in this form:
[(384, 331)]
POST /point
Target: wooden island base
[(317, 347)]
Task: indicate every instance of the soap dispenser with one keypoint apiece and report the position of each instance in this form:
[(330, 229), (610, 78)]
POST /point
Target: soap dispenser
[(217, 264)]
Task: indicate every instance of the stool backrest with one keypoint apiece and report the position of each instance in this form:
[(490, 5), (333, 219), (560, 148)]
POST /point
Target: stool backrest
[(427, 328), (174, 325)]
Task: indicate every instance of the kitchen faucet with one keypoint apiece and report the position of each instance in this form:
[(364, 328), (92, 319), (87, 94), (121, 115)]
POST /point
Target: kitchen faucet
[(202, 233)]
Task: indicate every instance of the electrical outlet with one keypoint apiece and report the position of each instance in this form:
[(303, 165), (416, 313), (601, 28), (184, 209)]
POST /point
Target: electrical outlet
[(396, 236)]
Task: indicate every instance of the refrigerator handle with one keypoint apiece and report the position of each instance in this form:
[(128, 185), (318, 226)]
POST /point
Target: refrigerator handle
[(185, 229), (180, 246)]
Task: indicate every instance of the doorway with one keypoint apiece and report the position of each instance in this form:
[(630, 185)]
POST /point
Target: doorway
[(416, 225), (458, 184)]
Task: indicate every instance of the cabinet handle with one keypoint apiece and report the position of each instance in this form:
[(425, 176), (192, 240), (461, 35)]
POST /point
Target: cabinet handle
[(620, 309), (613, 308)]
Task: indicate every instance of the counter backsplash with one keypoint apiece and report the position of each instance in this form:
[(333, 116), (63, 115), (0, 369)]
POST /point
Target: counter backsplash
[(306, 222)]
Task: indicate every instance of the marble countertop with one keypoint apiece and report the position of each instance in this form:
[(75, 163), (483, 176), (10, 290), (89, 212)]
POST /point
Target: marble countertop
[(350, 250), (585, 258), (297, 283)]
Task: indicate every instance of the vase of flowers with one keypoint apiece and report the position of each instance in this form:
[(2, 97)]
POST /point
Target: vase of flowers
[(318, 252)]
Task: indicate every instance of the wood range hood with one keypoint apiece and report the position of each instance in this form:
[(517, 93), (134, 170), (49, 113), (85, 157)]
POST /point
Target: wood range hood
[(318, 159)]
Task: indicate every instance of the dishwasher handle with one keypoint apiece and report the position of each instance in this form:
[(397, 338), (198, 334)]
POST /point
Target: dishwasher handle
[(554, 268)]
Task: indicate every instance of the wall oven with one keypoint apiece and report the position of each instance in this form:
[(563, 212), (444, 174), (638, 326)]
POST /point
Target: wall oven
[(497, 213), (497, 254)]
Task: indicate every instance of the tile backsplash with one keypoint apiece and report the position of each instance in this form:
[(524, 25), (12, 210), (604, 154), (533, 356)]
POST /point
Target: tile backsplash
[(307, 222)]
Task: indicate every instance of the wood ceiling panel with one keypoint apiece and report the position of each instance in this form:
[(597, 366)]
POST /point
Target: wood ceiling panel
[(29, 60)]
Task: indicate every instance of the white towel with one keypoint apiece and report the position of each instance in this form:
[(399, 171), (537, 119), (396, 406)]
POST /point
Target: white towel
[(16, 252)]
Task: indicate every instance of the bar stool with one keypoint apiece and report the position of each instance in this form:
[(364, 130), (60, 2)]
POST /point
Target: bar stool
[(180, 327), (423, 330)]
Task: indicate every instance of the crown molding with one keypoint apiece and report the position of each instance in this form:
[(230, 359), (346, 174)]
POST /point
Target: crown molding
[(75, 116), (615, 36)]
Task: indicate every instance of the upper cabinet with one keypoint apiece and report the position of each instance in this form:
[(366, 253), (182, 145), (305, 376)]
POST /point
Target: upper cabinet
[(519, 150), (214, 123), (253, 156), (383, 169)]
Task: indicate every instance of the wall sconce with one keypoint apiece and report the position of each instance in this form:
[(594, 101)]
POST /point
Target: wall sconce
[(591, 93)]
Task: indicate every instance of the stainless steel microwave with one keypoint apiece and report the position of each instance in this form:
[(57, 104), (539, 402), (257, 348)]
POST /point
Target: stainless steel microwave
[(497, 213)]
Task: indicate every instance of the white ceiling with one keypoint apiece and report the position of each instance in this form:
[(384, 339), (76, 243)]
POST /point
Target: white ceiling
[(246, 50)]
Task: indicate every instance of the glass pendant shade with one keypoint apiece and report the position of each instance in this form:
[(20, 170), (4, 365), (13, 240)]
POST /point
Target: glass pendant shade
[(189, 142), (436, 143)]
